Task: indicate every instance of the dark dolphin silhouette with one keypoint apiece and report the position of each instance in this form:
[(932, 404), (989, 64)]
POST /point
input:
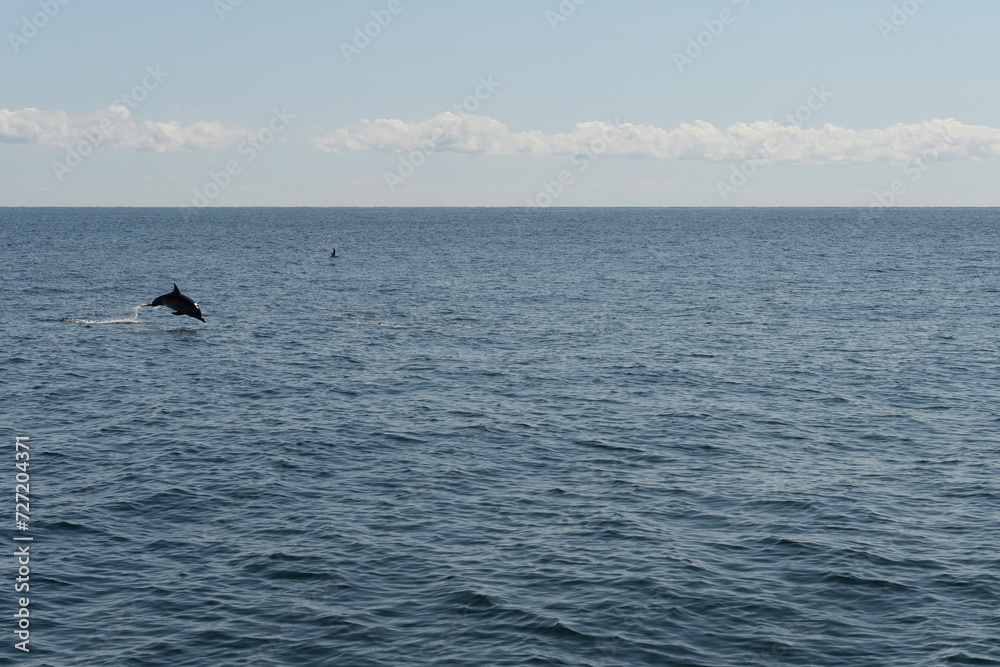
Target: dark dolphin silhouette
[(177, 302), (334, 253)]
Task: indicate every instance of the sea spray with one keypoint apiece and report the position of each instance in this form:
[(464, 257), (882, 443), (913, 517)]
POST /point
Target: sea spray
[(132, 318)]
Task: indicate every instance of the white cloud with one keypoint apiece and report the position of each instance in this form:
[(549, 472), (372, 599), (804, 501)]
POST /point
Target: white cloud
[(115, 128), (764, 141)]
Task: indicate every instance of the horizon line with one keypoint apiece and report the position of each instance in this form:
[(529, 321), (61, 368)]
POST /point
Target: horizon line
[(522, 207)]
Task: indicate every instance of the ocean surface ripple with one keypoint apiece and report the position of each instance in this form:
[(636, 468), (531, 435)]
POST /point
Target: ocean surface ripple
[(580, 437)]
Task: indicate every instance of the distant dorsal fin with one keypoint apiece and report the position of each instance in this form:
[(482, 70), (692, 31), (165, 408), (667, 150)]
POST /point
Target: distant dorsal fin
[(176, 289)]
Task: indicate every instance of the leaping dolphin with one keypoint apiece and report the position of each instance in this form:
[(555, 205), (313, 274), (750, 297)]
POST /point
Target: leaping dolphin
[(177, 302)]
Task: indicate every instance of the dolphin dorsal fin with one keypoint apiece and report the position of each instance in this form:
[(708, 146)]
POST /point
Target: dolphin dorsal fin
[(176, 289)]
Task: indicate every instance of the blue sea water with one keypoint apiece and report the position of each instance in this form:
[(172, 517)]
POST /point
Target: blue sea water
[(492, 437)]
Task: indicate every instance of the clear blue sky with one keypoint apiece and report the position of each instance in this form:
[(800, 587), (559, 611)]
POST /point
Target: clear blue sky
[(580, 102)]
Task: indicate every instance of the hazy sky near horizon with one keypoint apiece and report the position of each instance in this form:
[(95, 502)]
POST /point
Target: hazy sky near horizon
[(499, 103)]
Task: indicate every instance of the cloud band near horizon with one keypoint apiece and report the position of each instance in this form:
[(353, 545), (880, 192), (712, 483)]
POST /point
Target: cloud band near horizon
[(115, 128), (765, 142), (762, 141)]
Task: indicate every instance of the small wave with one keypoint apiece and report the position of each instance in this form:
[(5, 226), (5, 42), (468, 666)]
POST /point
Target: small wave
[(409, 325), (373, 320)]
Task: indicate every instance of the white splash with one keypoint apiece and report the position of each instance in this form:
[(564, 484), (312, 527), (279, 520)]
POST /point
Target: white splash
[(132, 318)]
